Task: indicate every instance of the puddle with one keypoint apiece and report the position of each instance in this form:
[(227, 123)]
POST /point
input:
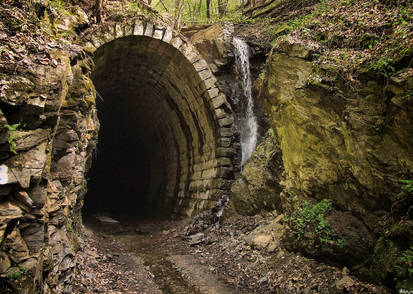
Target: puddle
[(155, 255)]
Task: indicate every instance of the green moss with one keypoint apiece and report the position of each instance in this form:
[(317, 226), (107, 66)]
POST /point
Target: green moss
[(392, 264), (403, 264), (16, 273)]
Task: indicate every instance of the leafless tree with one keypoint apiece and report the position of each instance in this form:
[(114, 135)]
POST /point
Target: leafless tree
[(179, 7), (199, 8), (222, 7), (98, 10), (208, 8)]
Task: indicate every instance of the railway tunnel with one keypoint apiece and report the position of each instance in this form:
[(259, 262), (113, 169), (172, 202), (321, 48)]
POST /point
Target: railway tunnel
[(166, 140)]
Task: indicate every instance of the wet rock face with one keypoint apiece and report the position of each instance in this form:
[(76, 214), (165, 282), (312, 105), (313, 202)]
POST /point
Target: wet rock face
[(257, 189), (351, 145)]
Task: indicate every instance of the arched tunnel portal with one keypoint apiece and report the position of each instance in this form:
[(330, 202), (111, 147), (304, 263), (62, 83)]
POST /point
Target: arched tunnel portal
[(166, 142)]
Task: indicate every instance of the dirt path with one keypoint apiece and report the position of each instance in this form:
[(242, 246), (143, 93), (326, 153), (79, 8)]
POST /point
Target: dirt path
[(147, 258), (156, 257)]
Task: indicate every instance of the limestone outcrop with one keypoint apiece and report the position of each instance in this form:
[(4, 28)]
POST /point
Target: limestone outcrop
[(214, 43), (351, 145), (51, 134), (258, 188)]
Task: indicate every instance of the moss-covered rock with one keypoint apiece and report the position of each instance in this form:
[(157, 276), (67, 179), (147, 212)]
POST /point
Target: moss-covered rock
[(349, 142), (258, 186), (318, 230), (392, 264)]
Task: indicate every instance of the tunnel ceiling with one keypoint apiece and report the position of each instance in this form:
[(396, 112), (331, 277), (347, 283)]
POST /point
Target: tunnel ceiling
[(157, 90)]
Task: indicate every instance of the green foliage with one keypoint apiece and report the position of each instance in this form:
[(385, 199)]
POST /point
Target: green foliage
[(404, 18), (390, 262), (341, 243), (12, 136), (59, 6), (384, 66), (18, 273), (310, 214), (195, 12), (271, 133), (404, 263), (299, 22), (407, 186), (406, 189)]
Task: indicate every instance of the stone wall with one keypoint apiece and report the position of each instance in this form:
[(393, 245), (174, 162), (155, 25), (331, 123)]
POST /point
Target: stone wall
[(177, 99)]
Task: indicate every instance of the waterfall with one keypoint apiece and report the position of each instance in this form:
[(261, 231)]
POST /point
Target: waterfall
[(248, 122)]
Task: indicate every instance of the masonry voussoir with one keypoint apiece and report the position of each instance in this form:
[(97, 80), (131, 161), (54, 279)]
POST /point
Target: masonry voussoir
[(156, 85)]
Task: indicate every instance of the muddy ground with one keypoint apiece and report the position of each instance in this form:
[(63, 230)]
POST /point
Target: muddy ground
[(159, 257)]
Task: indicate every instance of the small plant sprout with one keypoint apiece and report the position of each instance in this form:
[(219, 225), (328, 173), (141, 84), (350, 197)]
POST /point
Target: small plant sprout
[(12, 136)]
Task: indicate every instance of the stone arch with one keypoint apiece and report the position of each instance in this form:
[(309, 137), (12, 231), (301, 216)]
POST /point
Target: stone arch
[(175, 97)]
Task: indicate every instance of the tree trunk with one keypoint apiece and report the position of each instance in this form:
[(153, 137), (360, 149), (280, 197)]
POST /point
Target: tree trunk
[(179, 6), (222, 7), (192, 7), (208, 8), (199, 8), (99, 10)]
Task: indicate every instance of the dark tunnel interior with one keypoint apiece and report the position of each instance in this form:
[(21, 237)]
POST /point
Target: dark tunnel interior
[(120, 176), (129, 172)]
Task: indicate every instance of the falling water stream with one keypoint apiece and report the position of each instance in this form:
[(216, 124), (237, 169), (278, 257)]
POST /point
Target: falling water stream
[(248, 123)]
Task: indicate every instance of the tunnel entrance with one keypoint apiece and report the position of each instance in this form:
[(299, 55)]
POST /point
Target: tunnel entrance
[(166, 133), (129, 171)]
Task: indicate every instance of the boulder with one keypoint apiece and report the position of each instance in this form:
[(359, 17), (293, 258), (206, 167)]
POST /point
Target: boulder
[(16, 246), (196, 239), (258, 186), (9, 211), (214, 44), (4, 263), (28, 165), (267, 236)]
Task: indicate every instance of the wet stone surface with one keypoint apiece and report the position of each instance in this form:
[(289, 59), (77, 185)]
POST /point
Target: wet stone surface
[(140, 258)]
